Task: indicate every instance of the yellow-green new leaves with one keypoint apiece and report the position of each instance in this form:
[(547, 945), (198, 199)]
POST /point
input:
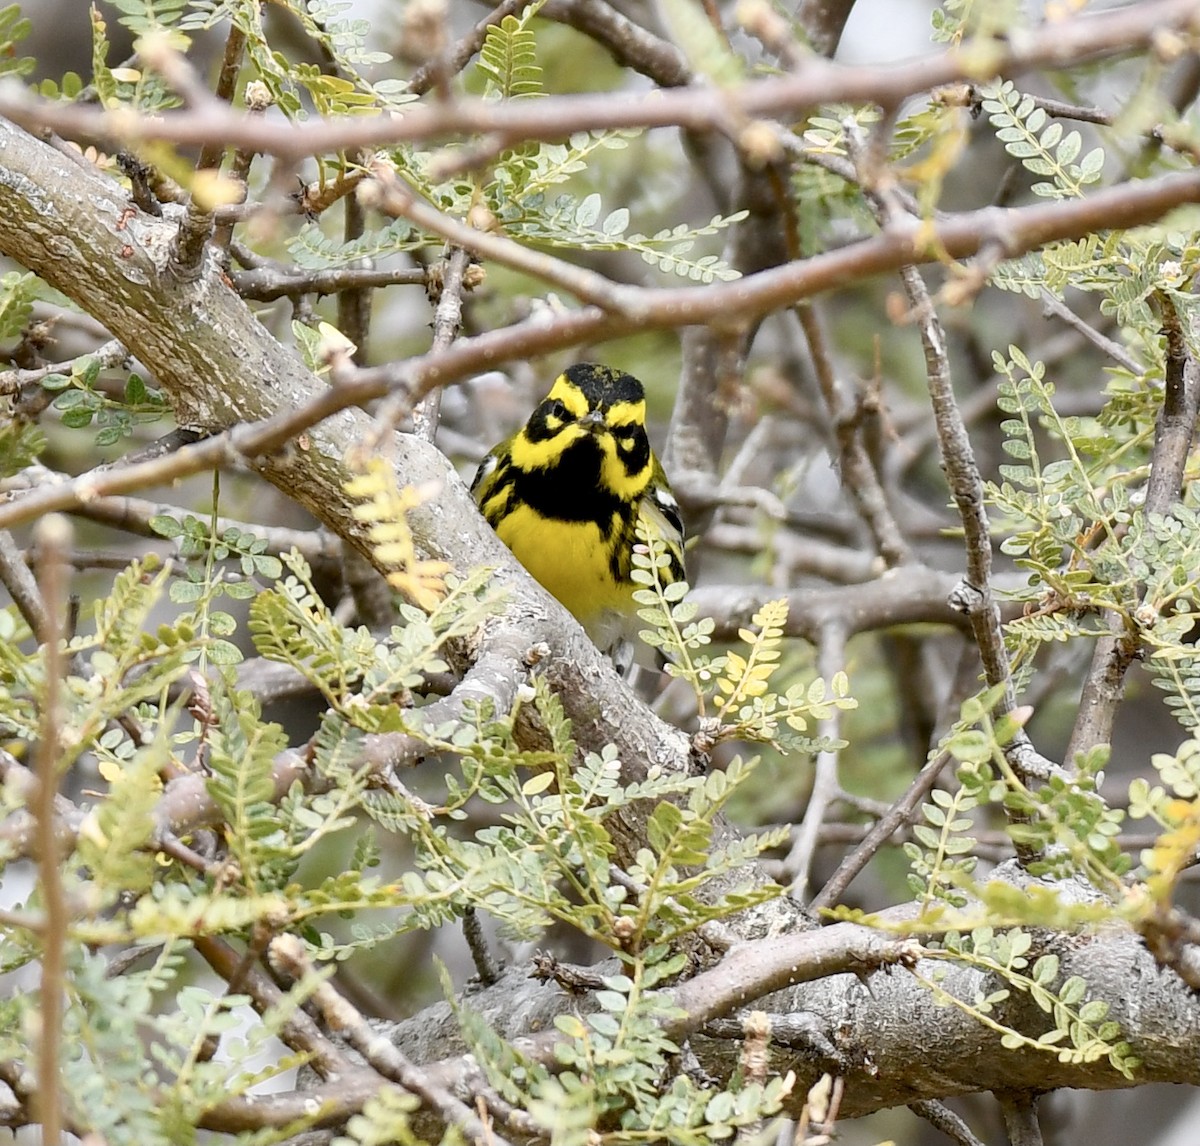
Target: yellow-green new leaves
[(508, 59), (749, 709), (1174, 806), (747, 677), (114, 835), (736, 683), (292, 625), (384, 509)]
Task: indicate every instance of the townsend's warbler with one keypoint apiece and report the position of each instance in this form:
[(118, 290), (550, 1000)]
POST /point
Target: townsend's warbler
[(566, 492)]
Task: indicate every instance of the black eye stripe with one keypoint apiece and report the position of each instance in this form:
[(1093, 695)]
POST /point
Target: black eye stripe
[(547, 420), (633, 448)]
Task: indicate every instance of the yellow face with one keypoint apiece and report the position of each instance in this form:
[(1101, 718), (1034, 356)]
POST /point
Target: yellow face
[(613, 417), (567, 492)]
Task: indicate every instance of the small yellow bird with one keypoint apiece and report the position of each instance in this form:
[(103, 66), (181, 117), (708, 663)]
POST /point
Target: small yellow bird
[(567, 491)]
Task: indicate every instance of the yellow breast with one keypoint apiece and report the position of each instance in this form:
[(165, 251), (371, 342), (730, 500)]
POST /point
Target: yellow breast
[(570, 558)]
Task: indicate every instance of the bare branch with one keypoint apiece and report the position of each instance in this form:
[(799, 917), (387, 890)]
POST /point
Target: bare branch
[(939, 1115), (299, 1031), (901, 596), (1060, 44), (1113, 349), (447, 318), (21, 584), (288, 955), (831, 659), (439, 71), (858, 470), (629, 44), (824, 21), (1020, 1118), (901, 814), (264, 284), (209, 388), (54, 537)]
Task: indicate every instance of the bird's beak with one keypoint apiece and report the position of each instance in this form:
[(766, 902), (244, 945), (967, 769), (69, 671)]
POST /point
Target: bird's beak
[(593, 420)]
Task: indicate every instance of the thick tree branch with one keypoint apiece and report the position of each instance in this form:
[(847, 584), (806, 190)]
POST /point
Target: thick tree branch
[(894, 1043)]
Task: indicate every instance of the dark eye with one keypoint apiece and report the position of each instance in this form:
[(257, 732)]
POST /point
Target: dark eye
[(555, 410)]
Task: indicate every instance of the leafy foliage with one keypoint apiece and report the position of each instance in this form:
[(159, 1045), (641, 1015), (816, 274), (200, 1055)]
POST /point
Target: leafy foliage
[(1041, 146), (1079, 1031), (958, 20), (551, 858), (508, 58), (315, 251), (20, 445), (612, 1066), (82, 403), (385, 512), (13, 29), (736, 686)]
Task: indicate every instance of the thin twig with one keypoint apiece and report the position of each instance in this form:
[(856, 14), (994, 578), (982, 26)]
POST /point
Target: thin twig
[(54, 537), (1114, 350), (793, 553), (299, 1031), (824, 21), (629, 44), (110, 354), (21, 584), (975, 595), (354, 302), (187, 252), (901, 813), (447, 319), (942, 1118), (258, 99), (19, 831), (21, 1081), (858, 471), (831, 659), (1176, 425), (759, 293), (912, 593), (267, 283), (396, 198), (440, 71), (318, 547), (481, 953), (820, 82), (1105, 682)]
